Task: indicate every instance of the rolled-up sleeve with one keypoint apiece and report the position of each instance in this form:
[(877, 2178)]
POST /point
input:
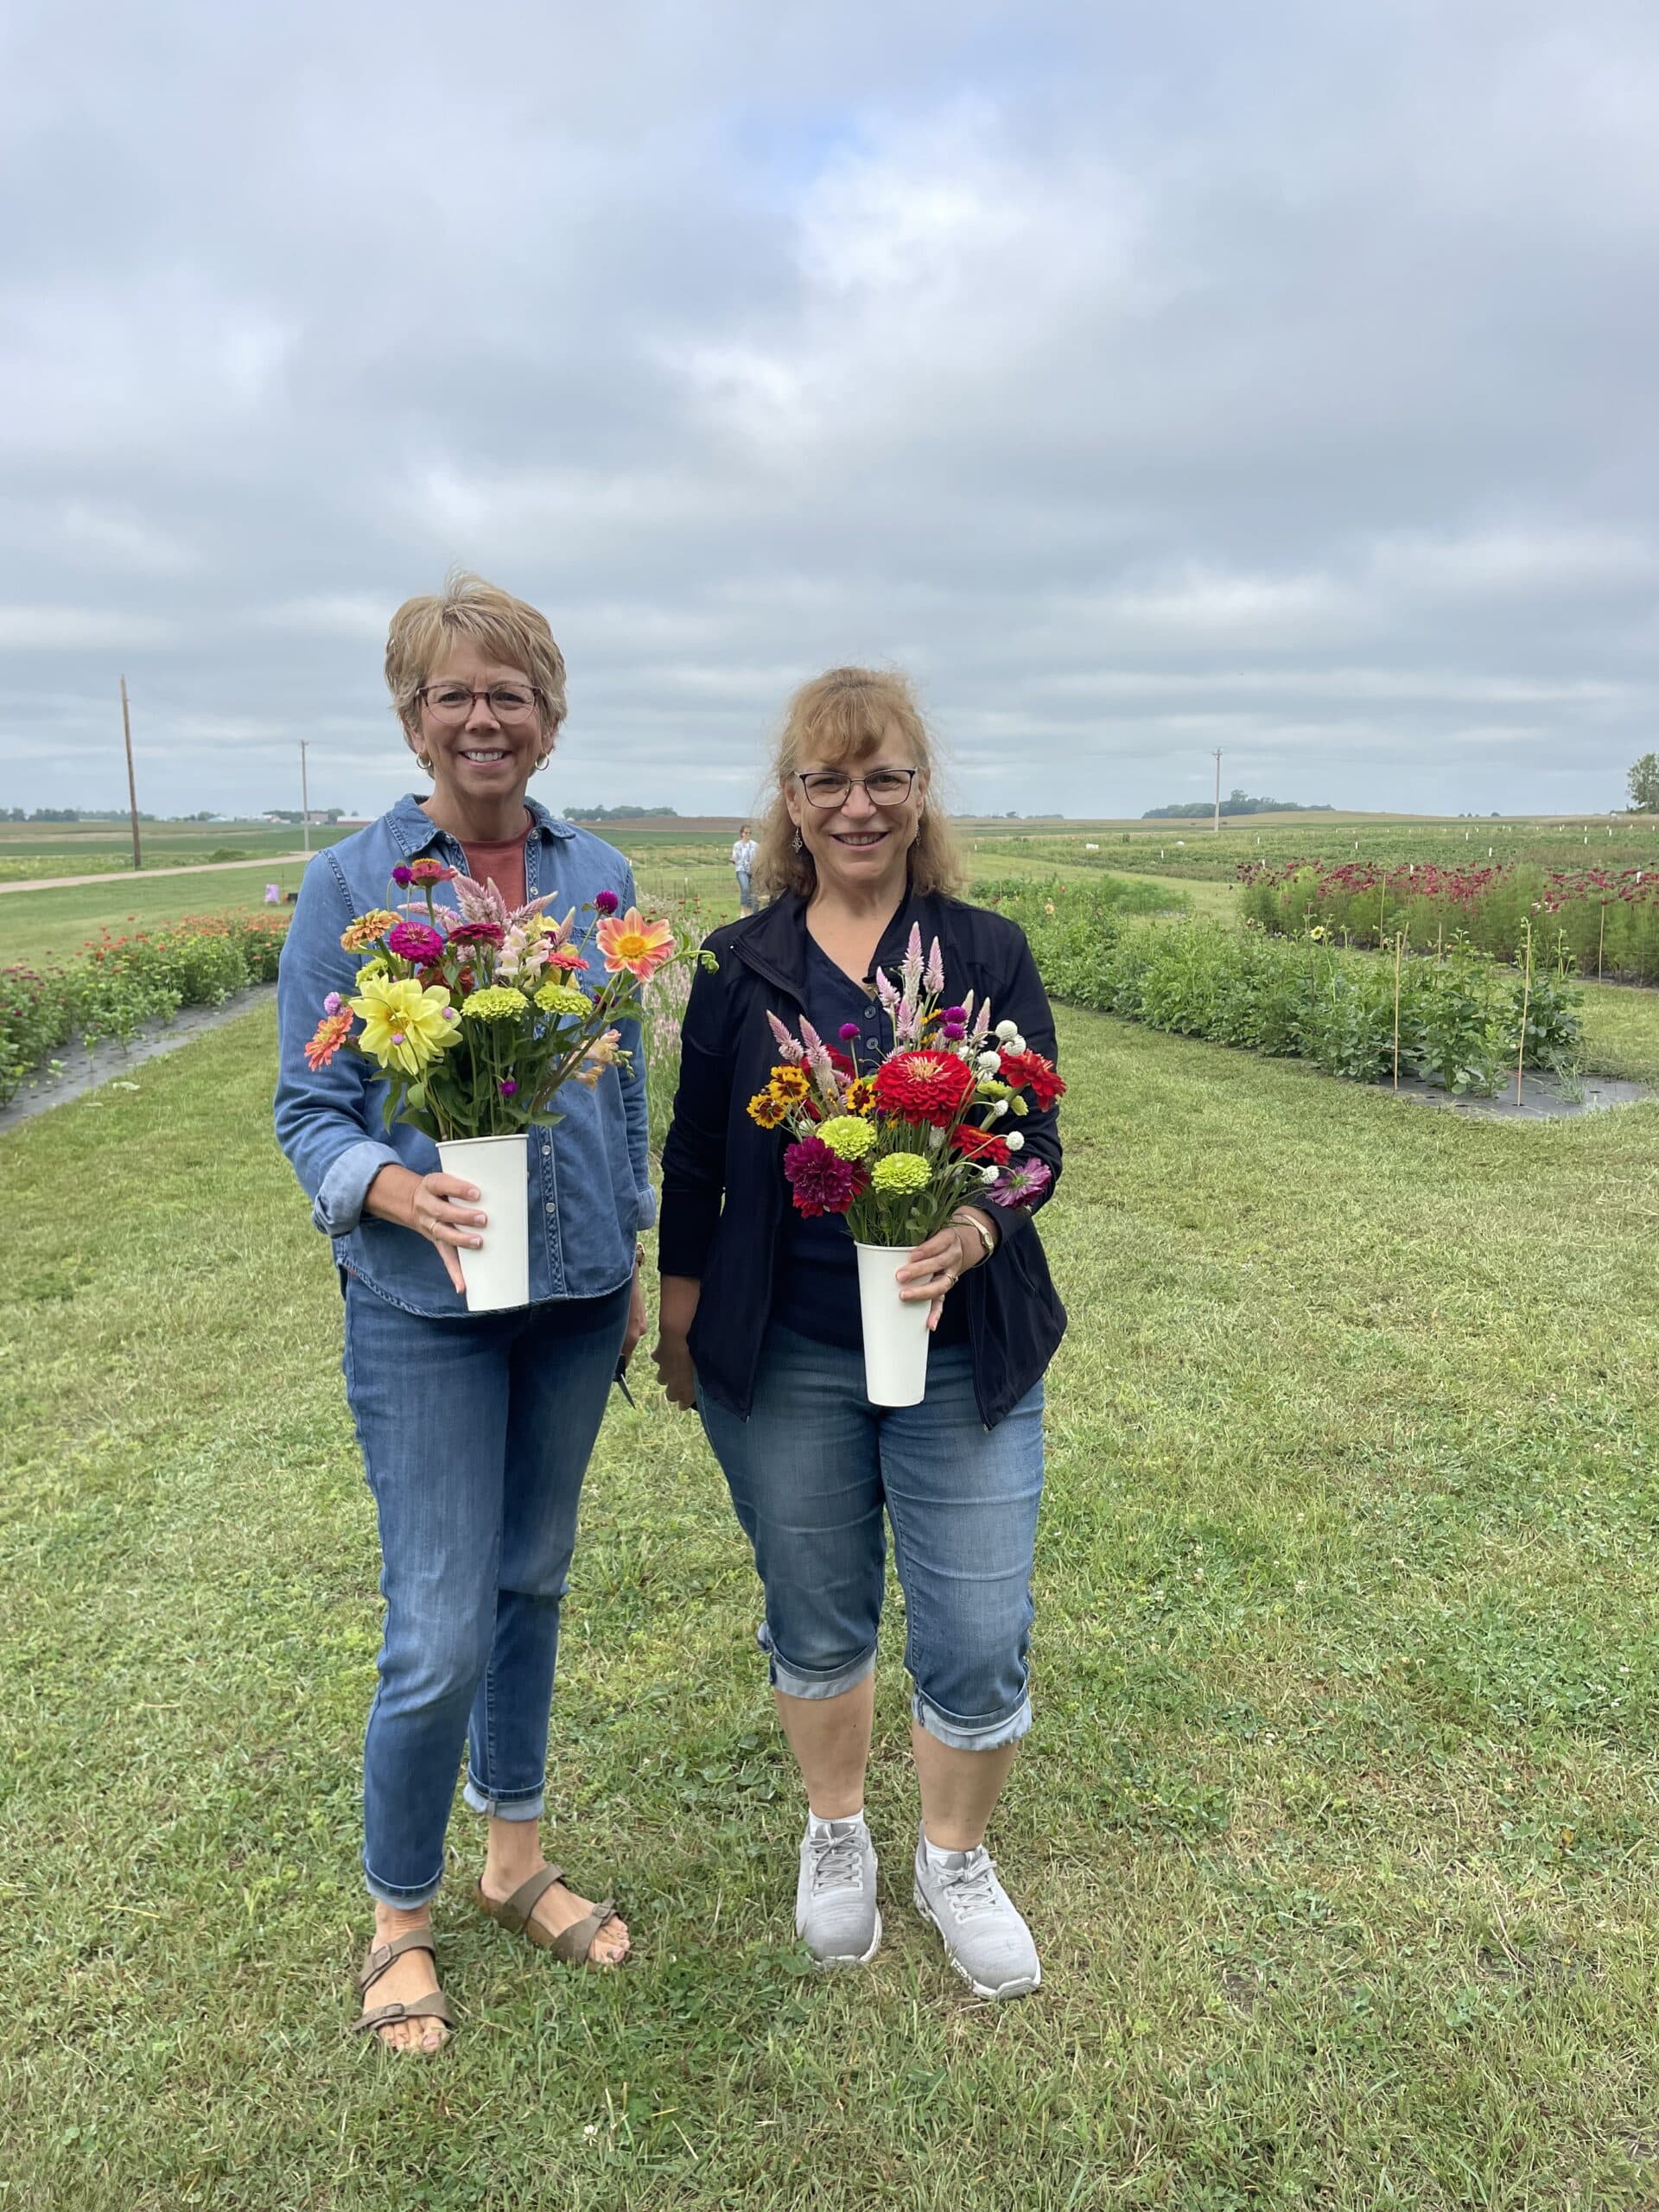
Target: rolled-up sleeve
[(321, 1113)]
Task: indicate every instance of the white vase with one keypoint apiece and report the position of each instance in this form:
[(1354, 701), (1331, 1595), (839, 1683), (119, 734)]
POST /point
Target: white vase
[(895, 1329), (497, 1273)]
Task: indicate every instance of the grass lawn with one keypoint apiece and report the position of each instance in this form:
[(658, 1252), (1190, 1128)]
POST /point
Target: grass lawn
[(1337, 1828)]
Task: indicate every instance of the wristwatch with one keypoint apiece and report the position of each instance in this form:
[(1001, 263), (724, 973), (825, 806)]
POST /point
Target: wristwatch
[(973, 1221)]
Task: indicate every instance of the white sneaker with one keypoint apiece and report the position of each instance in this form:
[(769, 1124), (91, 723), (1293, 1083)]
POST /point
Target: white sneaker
[(835, 1898), (985, 1939)]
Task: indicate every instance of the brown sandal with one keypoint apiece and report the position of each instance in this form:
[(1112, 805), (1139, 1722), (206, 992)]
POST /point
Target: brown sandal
[(571, 1944), (435, 2007)]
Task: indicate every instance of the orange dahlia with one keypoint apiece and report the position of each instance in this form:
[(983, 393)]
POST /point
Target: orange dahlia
[(631, 942)]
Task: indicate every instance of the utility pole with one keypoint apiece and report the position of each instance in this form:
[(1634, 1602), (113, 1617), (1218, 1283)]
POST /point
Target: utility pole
[(132, 787), (1217, 822), (305, 802)]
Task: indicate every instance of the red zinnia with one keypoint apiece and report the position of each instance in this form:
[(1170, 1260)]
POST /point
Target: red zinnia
[(1030, 1071), (923, 1087), (983, 1146)]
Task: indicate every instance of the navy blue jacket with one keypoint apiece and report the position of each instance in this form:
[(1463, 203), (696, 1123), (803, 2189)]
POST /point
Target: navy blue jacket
[(724, 1197)]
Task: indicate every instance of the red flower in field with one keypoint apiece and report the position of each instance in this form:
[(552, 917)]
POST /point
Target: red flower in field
[(1032, 1072), (983, 1146), (930, 1087)]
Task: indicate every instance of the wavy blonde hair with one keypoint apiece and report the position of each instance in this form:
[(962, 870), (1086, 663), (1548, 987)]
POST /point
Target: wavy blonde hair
[(502, 628), (848, 714)]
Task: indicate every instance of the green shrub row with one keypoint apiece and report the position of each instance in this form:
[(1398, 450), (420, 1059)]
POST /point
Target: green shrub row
[(121, 983), (1460, 1015)]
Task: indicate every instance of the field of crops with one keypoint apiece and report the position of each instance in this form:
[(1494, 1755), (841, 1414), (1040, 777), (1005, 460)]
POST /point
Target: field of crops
[(1190, 849)]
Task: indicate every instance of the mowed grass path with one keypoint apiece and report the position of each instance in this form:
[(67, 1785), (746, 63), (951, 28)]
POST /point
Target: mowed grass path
[(1338, 1827)]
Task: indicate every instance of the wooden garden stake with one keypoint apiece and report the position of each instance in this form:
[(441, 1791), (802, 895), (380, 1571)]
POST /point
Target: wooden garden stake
[(1526, 1002), (1399, 959)]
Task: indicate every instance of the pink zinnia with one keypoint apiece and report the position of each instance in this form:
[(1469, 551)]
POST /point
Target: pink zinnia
[(415, 943)]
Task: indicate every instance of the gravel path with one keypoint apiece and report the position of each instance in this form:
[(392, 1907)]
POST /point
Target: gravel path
[(145, 874)]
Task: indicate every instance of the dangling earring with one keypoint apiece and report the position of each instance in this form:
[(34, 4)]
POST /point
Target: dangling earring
[(795, 842)]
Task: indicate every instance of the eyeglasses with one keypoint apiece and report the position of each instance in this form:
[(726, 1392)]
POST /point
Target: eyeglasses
[(885, 787), (453, 702)]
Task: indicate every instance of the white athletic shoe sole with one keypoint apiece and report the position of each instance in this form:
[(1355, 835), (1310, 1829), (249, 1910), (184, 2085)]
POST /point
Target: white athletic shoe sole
[(1022, 1985)]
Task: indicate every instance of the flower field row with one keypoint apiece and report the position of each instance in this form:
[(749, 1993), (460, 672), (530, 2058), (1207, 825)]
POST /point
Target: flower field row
[(1460, 1018), (120, 984), (1607, 919)]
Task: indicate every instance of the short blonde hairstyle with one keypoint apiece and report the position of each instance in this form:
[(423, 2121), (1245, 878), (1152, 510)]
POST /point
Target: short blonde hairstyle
[(501, 627), (848, 714)]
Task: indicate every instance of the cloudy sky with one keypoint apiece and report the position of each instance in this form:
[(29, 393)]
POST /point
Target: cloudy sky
[(1144, 380)]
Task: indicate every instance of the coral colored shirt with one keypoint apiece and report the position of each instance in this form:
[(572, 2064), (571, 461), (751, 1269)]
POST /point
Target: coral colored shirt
[(503, 864)]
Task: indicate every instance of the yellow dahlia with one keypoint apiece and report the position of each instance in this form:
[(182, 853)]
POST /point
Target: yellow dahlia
[(403, 1027)]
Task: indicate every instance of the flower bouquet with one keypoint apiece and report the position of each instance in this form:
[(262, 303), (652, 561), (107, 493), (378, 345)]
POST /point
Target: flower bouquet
[(894, 1151), (476, 1017)]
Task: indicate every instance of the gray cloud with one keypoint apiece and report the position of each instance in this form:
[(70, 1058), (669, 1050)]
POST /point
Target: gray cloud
[(1277, 380)]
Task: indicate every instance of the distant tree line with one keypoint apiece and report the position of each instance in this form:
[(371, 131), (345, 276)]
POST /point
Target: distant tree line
[(72, 814), (1644, 785), (1235, 802), (618, 813)]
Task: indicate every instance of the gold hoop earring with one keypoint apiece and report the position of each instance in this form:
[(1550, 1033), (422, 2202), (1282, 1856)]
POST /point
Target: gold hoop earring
[(423, 762)]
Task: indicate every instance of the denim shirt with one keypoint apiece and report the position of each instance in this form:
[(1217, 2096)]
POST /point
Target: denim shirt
[(589, 1177)]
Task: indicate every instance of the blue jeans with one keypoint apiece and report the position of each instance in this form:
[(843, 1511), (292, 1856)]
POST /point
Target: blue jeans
[(476, 1434), (744, 895), (809, 1473)]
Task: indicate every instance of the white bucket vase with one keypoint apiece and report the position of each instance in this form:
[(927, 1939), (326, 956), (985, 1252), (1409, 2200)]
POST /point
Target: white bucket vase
[(895, 1329), (497, 1273)]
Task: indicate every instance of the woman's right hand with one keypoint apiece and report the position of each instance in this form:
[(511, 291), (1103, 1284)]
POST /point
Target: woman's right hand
[(442, 1208), (675, 1371)]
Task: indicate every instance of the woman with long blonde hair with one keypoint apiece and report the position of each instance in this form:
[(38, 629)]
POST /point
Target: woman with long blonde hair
[(760, 1332)]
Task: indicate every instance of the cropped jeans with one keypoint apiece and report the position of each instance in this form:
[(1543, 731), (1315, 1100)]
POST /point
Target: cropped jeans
[(476, 1432), (811, 1471)]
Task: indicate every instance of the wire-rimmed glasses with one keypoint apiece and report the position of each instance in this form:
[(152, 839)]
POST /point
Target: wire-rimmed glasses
[(453, 702), (883, 787)]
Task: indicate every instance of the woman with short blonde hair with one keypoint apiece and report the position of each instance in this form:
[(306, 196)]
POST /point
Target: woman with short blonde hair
[(475, 1428), (760, 1331)]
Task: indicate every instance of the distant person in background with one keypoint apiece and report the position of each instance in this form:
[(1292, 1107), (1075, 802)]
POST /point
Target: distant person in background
[(744, 855)]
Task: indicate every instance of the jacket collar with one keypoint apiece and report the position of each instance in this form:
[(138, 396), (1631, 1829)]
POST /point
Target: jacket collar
[(414, 830), (774, 942)]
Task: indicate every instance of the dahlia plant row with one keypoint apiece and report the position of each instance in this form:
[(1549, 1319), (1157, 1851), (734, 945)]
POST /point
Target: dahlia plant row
[(1607, 919), (1463, 1021), (121, 983)]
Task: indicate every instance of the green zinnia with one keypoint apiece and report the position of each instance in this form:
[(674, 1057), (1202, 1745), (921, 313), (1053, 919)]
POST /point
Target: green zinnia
[(901, 1175), (564, 998), (495, 1002), (849, 1136)]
